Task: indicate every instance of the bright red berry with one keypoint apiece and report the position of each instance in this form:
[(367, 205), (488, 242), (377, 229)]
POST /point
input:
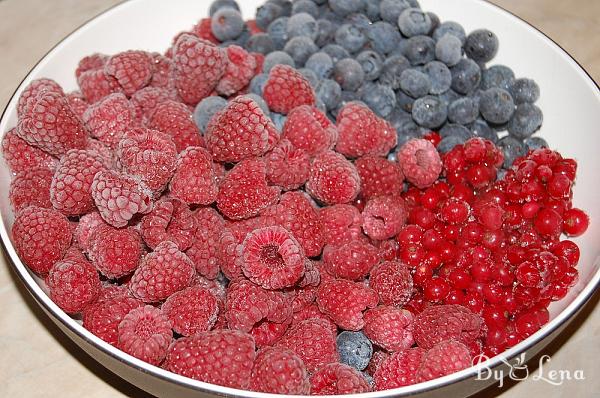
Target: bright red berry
[(443, 359), (390, 328), (309, 129), (114, 252), (176, 120), (344, 302), (191, 310), (287, 89), (444, 322), (333, 179)]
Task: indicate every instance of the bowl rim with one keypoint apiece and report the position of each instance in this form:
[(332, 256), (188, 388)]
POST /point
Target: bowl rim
[(50, 308)]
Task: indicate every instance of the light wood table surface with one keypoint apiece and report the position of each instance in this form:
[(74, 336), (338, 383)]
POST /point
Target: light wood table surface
[(37, 360)]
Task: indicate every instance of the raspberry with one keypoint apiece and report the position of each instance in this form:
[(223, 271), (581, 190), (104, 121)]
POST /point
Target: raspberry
[(110, 118), (337, 379), (104, 151), (312, 311), (376, 359), (352, 260), (379, 177), (163, 74), (342, 223), (344, 302), (30, 94), (176, 120), (169, 220), (73, 285), (205, 242), (446, 322), (203, 30), (238, 72), (420, 162), (279, 371), (85, 229), (390, 328), (287, 166), (132, 69), (399, 369), (191, 310), (216, 287), (77, 102), (333, 179), (41, 237), (51, 125), (384, 217), (90, 62), (108, 291), (95, 85), (194, 181), (393, 283), (161, 273), (20, 156), (443, 359), (222, 357), (145, 333), (308, 128), (103, 317), (287, 89), (31, 188), (244, 191), (147, 99), (312, 275), (313, 341), (199, 66), (119, 197), (240, 131), (114, 252), (303, 296), (266, 333), (361, 132), (230, 239)]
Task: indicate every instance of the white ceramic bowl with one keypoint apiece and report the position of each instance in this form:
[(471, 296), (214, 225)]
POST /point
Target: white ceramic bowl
[(570, 101)]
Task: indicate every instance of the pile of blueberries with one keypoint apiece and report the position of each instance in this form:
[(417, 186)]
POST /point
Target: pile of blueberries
[(419, 73)]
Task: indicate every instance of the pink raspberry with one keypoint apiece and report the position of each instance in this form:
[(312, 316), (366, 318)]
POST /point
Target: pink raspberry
[(312, 275), (238, 72), (222, 357), (302, 296), (390, 328), (176, 120), (110, 118), (163, 74), (108, 291), (95, 84), (119, 197), (114, 252), (287, 89), (379, 177), (161, 273), (90, 62), (279, 371), (214, 286), (333, 179), (73, 285), (287, 166), (205, 243), (145, 333), (133, 70), (440, 323), (170, 220), (343, 223), (191, 310), (266, 333), (103, 317), (31, 188), (443, 359), (195, 180), (147, 99), (86, 227), (29, 95), (20, 156), (399, 369), (344, 302), (77, 102), (384, 217), (312, 311), (41, 237), (361, 132), (352, 260), (376, 359), (104, 151), (149, 155), (337, 379), (420, 162), (393, 283), (308, 128)]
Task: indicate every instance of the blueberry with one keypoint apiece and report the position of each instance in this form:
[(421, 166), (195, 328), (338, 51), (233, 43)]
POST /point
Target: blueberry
[(278, 120), (534, 143), (350, 37), (372, 10), (371, 63), (448, 49), (218, 4), (414, 22), (481, 45), (383, 37), (466, 76), (449, 96), (346, 7), (419, 50), (440, 77), (496, 105), (480, 128), (257, 84), (349, 74), (449, 142), (320, 63), (302, 24), (260, 43), (456, 130), (526, 120), (404, 101), (355, 349), (429, 112), (336, 52), (306, 6), (450, 27), (277, 58), (390, 10), (435, 22), (278, 32), (512, 149), (330, 92), (347, 97), (524, 91), (361, 21), (325, 32), (310, 75), (380, 98), (206, 109), (286, 6), (392, 70), (266, 14), (499, 76), (415, 83), (227, 24), (463, 111), (408, 130), (398, 117), (260, 101), (320, 105), (300, 48)]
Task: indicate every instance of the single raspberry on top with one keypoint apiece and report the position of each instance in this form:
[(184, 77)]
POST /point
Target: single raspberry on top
[(191, 310), (337, 379), (114, 252), (30, 93), (379, 177), (238, 72), (73, 285), (420, 162), (308, 128), (343, 222), (110, 118), (176, 120), (95, 84), (170, 220), (133, 70), (384, 217), (195, 179), (20, 156), (352, 260), (390, 328), (333, 179), (287, 167), (344, 302), (279, 371), (287, 89), (393, 283), (85, 228), (443, 359), (31, 188), (205, 243)]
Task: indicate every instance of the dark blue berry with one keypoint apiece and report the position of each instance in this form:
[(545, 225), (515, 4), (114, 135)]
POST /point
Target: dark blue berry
[(260, 101), (205, 110), (350, 37), (227, 24), (404, 101), (349, 74), (440, 77), (372, 10), (534, 143), (448, 49), (499, 76), (372, 64), (435, 22), (218, 4), (286, 6), (430, 112), (414, 22), (278, 32), (419, 50), (390, 10), (355, 349), (325, 32), (463, 111), (277, 58), (380, 98), (398, 117), (512, 149), (526, 120), (361, 21), (480, 128), (266, 14), (456, 130), (320, 63), (300, 48), (466, 76), (306, 6), (524, 91), (260, 43), (257, 84), (481, 45), (449, 96), (302, 24), (330, 92), (415, 83), (407, 130), (347, 97), (449, 142), (336, 52), (496, 105), (450, 27), (346, 7), (392, 70), (310, 75), (383, 37)]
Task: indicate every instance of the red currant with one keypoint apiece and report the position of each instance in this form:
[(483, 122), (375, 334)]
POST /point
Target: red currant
[(575, 222)]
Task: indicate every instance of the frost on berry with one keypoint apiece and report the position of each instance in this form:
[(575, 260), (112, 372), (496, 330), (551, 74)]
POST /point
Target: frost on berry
[(352, 260), (287, 89), (446, 322), (103, 317), (191, 310), (95, 84), (176, 120), (444, 358), (337, 379), (133, 70), (420, 162), (343, 223), (170, 220), (93, 61), (163, 75), (393, 283), (379, 177), (110, 118), (86, 227), (309, 129), (195, 180), (114, 252), (344, 302), (238, 72), (147, 99), (20, 156), (287, 166), (389, 327), (333, 179), (77, 102), (399, 369), (31, 187), (30, 93), (205, 242), (267, 333), (73, 284), (279, 371), (384, 217)]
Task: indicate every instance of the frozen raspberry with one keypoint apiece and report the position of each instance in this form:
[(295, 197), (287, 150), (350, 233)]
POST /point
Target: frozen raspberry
[(312, 275), (90, 62), (446, 322), (393, 283), (287, 166), (222, 357), (31, 188), (86, 227), (389, 327), (337, 379), (203, 30), (287, 89), (399, 369), (114, 252), (104, 151), (228, 242), (376, 359), (70, 192), (344, 302), (191, 310), (279, 371), (244, 191), (51, 125), (312, 311), (29, 95), (303, 296), (342, 222), (95, 84), (352, 260), (77, 102), (420, 162), (333, 179), (145, 333), (133, 70), (239, 71), (266, 333), (147, 99), (215, 286), (170, 220), (110, 118), (194, 181), (108, 291), (309, 129), (103, 317), (199, 66), (73, 285), (163, 74), (205, 242), (239, 131), (379, 177), (443, 359), (41, 237), (161, 273), (176, 120), (20, 156), (384, 217), (119, 197)]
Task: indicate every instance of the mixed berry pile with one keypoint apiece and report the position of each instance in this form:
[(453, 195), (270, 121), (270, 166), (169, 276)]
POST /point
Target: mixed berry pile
[(356, 224)]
